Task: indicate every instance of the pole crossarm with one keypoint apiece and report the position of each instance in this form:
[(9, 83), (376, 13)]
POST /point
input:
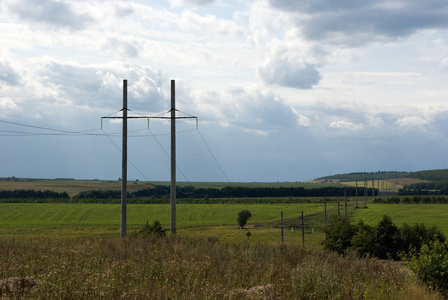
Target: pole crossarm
[(150, 117)]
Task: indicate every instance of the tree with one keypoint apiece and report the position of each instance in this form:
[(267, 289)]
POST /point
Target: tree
[(339, 234), (388, 240), (363, 240), (243, 216)]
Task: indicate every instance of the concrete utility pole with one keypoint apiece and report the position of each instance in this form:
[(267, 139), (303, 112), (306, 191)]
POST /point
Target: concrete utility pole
[(173, 158), (303, 232), (124, 160), (124, 154), (281, 217), (345, 200)]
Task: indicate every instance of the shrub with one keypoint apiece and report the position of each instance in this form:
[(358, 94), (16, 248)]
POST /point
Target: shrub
[(153, 229), (387, 239), (430, 264), (363, 239), (243, 216), (339, 234)]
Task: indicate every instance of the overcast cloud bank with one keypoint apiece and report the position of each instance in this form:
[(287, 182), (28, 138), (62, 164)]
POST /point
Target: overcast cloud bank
[(284, 90)]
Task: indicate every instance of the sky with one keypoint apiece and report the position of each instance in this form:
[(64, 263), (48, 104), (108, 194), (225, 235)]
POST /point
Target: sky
[(283, 90)]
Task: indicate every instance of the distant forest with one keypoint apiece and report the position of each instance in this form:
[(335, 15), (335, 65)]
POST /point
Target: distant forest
[(227, 192), (431, 175), (366, 176), (161, 193)]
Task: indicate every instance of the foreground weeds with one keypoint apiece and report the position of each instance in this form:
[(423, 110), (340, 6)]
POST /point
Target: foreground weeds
[(183, 268)]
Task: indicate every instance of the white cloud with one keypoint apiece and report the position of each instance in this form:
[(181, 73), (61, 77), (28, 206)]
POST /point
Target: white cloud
[(343, 124), (54, 14), (355, 23), (7, 106), (303, 121), (412, 123), (8, 75), (290, 73)]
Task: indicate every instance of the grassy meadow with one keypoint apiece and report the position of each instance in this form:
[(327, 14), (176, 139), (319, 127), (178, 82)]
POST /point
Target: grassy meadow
[(429, 214), (192, 268)]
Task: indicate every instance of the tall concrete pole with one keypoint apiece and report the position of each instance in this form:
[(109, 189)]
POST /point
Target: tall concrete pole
[(124, 162), (173, 158)]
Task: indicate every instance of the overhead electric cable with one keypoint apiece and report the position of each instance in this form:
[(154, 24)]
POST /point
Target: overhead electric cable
[(110, 139), (214, 158), (160, 145)]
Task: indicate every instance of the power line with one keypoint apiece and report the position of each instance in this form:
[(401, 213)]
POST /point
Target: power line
[(214, 158), (110, 139), (90, 132), (169, 157), (83, 132)]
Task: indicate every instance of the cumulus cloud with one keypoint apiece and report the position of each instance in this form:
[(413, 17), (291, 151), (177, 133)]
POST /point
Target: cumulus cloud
[(254, 108), (7, 105), (412, 123), (200, 2), (303, 121), (121, 47), (52, 13), (354, 22), (284, 72), (192, 2), (8, 75), (343, 124), (57, 86)]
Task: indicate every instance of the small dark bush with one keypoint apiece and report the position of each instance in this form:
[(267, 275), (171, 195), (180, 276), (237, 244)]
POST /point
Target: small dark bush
[(153, 229)]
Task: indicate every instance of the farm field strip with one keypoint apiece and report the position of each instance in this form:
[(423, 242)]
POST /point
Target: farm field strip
[(428, 214), (19, 215)]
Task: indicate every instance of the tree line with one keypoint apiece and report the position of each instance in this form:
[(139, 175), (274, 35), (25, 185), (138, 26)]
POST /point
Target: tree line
[(187, 194), (425, 188), (229, 192), (385, 240), (47, 194)]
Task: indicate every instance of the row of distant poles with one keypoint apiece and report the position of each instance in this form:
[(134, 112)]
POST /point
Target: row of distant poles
[(125, 154)]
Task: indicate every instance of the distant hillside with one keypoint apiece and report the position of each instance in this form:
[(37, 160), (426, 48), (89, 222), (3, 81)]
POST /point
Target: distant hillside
[(381, 175), (431, 175)]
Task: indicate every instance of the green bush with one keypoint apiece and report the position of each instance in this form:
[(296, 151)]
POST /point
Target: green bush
[(153, 229), (430, 264), (385, 241), (363, 240), (339, 234), (243, 216)]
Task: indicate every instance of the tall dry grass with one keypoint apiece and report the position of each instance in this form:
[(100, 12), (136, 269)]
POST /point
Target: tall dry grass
[(184, 268)]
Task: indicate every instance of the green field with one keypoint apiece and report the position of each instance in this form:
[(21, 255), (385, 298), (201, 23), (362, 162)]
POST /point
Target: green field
[(61, 220), (428, 214)]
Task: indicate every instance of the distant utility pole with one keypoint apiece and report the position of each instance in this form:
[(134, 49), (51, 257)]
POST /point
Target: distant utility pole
[(365, 192), (303, 232), (345, 200), (281, 217)]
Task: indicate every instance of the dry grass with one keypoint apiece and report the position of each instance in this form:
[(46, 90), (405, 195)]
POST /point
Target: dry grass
[(191, 268), (72, 187)]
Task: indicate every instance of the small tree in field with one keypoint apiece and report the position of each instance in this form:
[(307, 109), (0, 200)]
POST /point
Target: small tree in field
[(243, 216)]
